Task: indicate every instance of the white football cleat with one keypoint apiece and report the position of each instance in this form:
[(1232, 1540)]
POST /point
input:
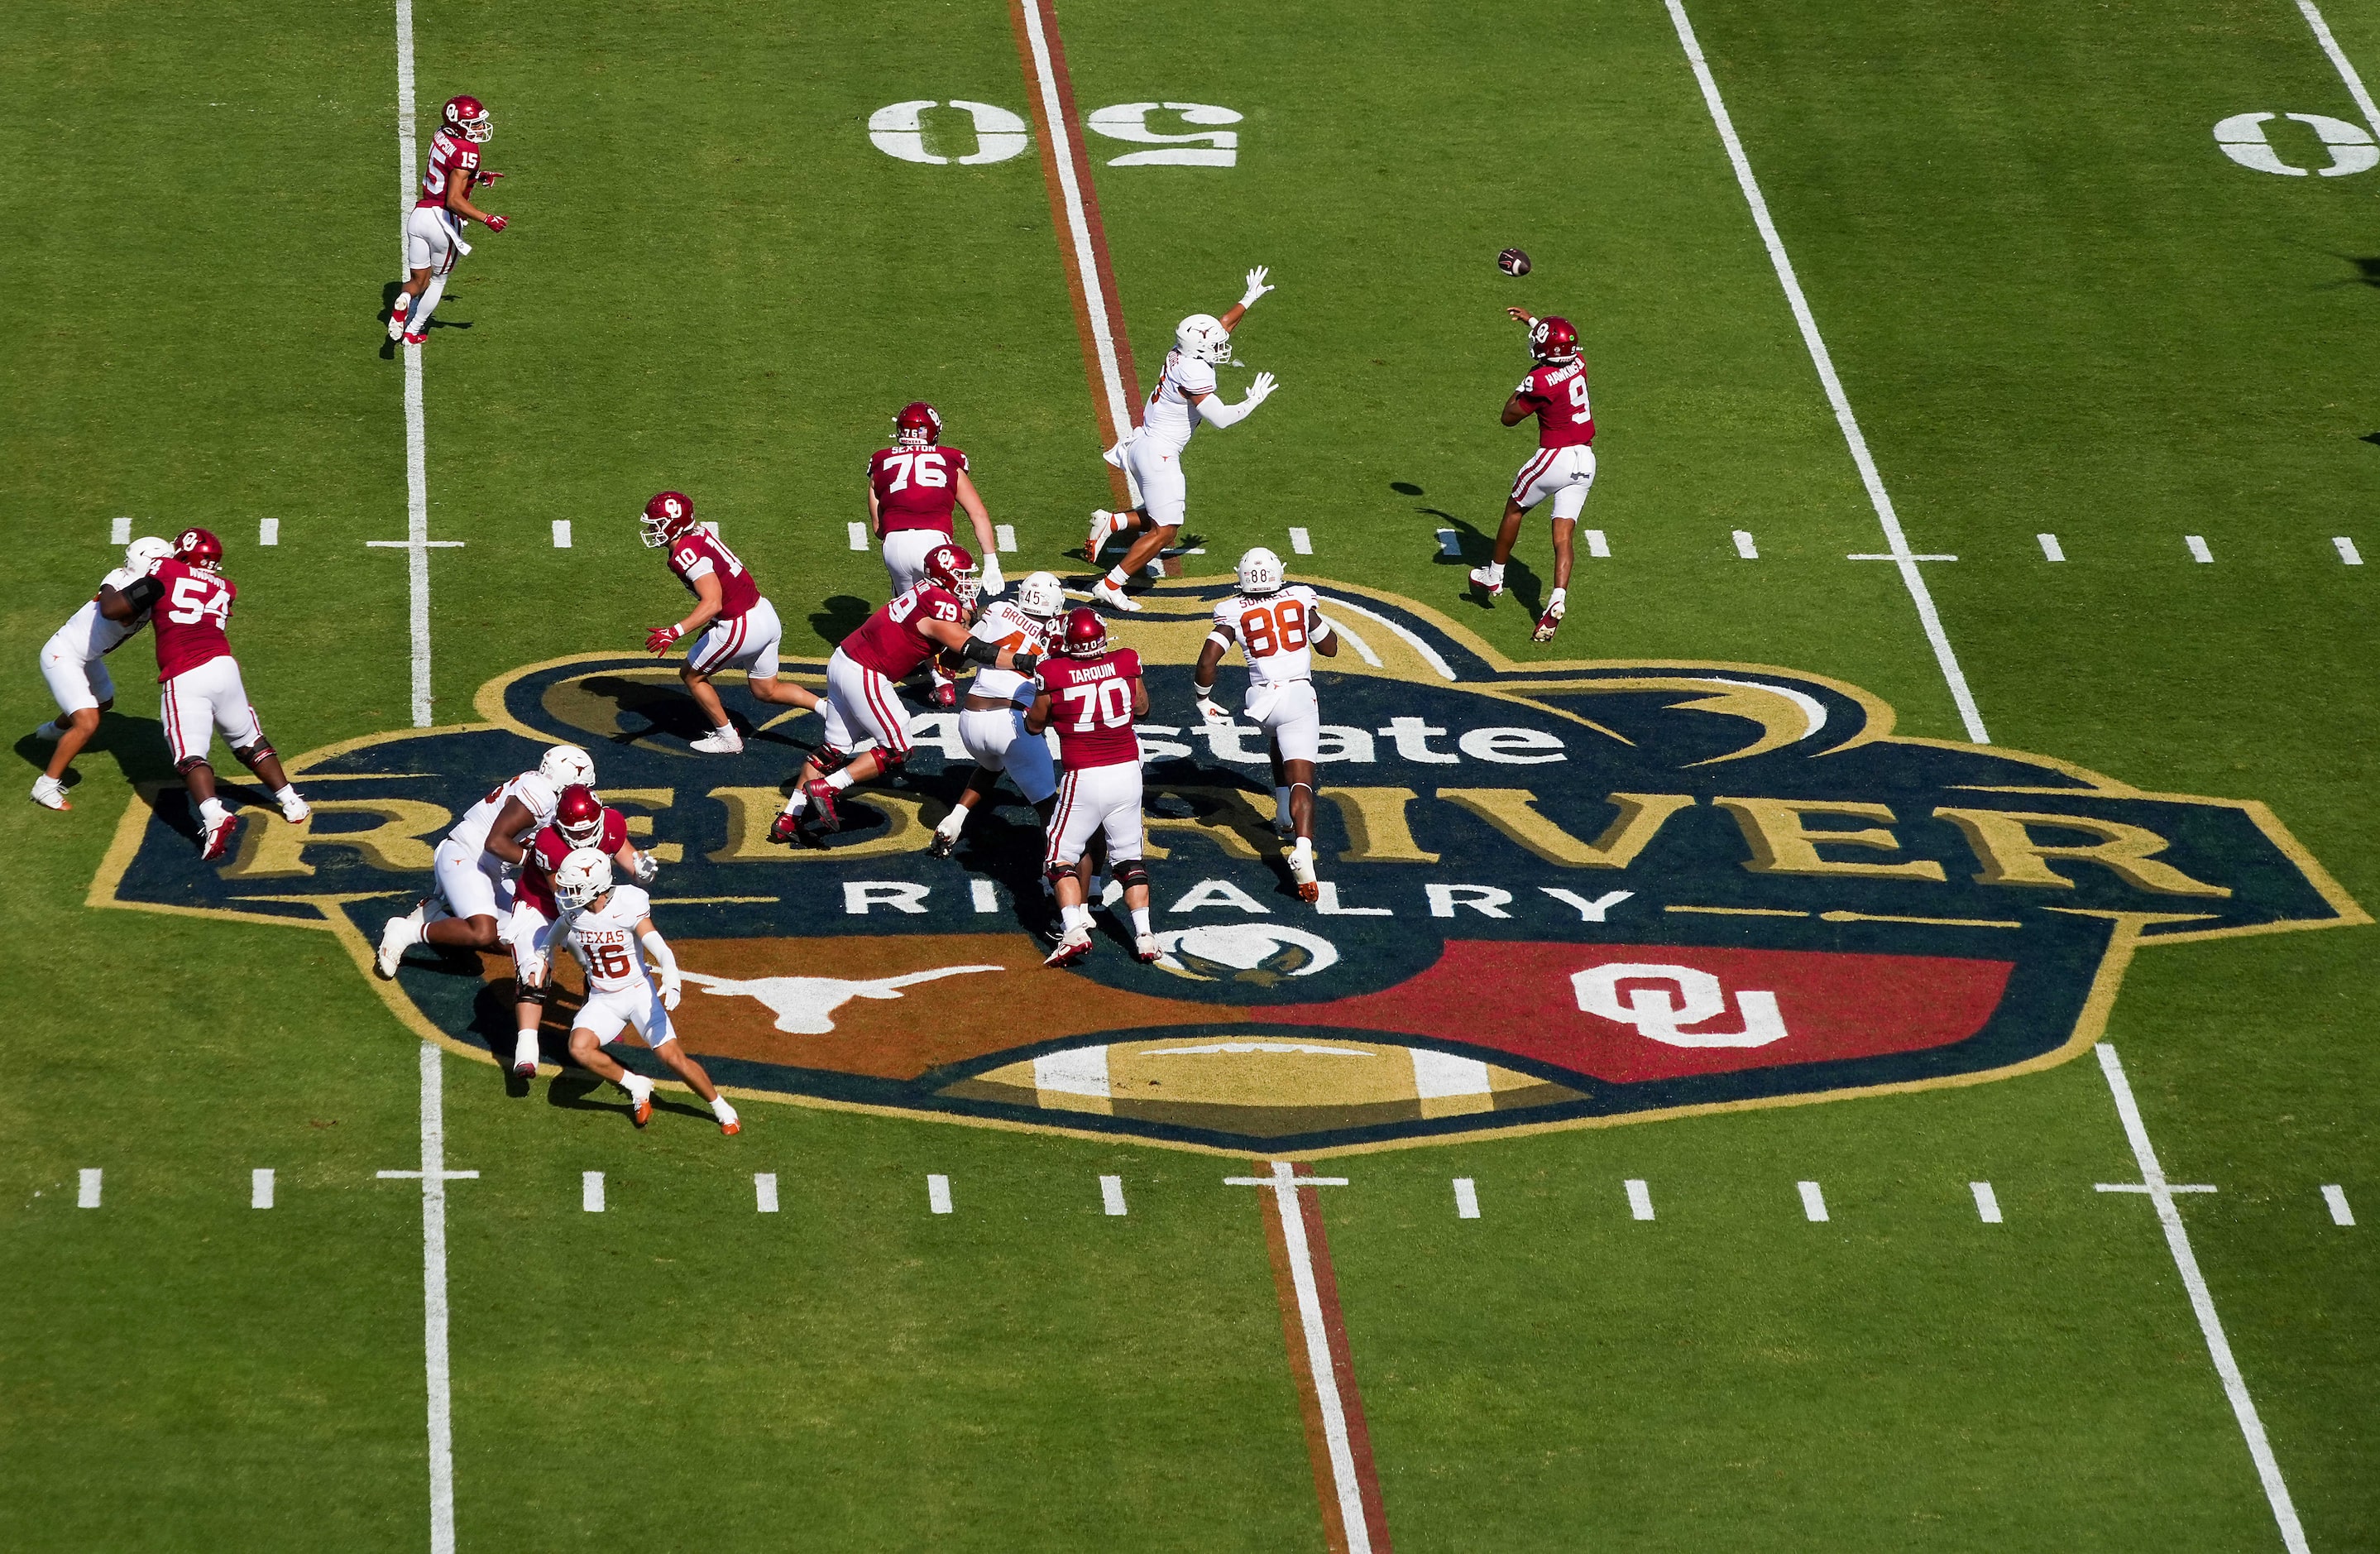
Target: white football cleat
[(217, 838), (293, 808), (1480, 578), (1104, 526), (49, 731), (1114, 598), (396, 316), (720, 742), (1073, 946), (1301, 868), (49, 793), (525, 1055), (396, 936), (1551, 621), (1145, 950)]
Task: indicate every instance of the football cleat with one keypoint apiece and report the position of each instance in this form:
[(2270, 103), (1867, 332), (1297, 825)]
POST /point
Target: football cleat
[(1114, 598), (821, 799), (413, 339), (944, 844), (785, 827), (396, 935), (524, 1056), (219, 838), (1480, 578), (1145, 950), (1549, 623), (720, 742), (1073, 945), (49, 732), (396, 315), (293, 808), (51, 794), (640, 1108), (733, 1127), (946, 693), (1103, 526), (1301, 868)]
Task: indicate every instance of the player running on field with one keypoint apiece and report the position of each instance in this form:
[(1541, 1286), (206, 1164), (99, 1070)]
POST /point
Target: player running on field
[(434, 233), (74, 662), (863, 702), (1090, 694), (1564, 465), (580, 820), (911, 487), (1151, 452), (1279, 627), (476, 863), (603, 924), (189, 603), (733, 627), (992, 720)]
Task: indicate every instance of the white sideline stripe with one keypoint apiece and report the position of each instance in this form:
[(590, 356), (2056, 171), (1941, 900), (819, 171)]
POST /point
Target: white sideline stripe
[(86, 1190), (1004, 536), (1895, 540), (434, 1177), (2050, 547), (1987, 1203), (987, 895), (1814, 1203), (1111, 1195), (1598, 546), (417, 476), (1301, 541), (268, 531), (259, 1187), (2202, 1301), (1412, 639), (1079, 224), (764, 1191), (2198, 551), (562, 534), (1640, 1198), (590, 1191), (1744, 547), (120, 532), (2335, 1196), (2338, 60), (1284, 1183), (1450, 544), (1466, 1198), (859, 532), (938, 1194), (2347, 550)]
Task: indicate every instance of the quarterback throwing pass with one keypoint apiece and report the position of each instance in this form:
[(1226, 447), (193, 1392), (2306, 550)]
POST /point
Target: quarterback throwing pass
[(1564, 465)]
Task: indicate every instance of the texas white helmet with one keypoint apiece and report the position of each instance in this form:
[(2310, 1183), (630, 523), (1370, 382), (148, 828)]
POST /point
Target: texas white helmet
[(1042, 596), (580, 878), (565, 765), (143, 554), (1260, 572), (1203, 336)]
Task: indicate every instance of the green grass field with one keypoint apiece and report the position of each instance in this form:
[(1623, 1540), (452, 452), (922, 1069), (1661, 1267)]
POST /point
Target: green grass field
[(2056, 306)]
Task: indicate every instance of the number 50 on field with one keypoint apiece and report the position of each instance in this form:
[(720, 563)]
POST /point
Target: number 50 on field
[(900, 129)]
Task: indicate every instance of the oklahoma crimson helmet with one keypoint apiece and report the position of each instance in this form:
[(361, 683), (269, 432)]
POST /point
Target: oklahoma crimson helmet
[(199, 547), (579, 815), (953, 566), (667, 516), (1086, 633), (917, 426), (1552, 339), (470, 116)]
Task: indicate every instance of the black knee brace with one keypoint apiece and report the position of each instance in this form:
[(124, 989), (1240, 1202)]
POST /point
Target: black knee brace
[(254, 753), (524, 993), (188, 764), (1131, 872)]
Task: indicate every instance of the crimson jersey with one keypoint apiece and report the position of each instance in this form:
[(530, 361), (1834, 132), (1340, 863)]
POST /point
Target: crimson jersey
[(449, 154), (547, 850), (891, 642), (915, 488), (1555, 392), (1090, 705), (701, 553), (192, 608)]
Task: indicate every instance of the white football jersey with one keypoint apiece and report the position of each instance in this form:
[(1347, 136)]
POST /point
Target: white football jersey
[(1004, 625), (534, 791), (1168, 415), (1275, 631), (92, 635), (604, 939)]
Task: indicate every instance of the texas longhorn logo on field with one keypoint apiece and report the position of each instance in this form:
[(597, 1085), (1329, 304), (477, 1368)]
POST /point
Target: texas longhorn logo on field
[(1555, 895)]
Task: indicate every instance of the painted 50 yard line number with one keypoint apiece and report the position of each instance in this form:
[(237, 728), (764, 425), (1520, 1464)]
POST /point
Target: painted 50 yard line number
[(898, 130), (2243, 139)]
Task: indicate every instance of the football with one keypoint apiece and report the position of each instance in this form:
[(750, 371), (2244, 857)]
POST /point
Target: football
[(1513, 262)]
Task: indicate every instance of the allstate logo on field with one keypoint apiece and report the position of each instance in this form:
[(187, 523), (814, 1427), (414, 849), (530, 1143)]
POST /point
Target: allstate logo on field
[(1556, 895)]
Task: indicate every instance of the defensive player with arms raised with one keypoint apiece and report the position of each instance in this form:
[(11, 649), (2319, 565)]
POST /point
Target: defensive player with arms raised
[(992, 720), (1090, 694), (912, 487), (189, 603), (862, 698), (476, 863), (1279, 627), (604, 924), (434, 233), (74, 662), (733, 625), (1151, 453), (580, 820), (1564, 465)]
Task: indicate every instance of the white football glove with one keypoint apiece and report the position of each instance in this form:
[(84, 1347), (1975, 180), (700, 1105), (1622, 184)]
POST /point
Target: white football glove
[(992, 581), (1261, 390), (1212, 713), (647, 869), (533, 973), (1256, 286), (670, 987)]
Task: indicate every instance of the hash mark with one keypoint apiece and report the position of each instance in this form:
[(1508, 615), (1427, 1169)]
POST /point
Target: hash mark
[(120, 532), (590, 1191), (1987, 1203), (87, 1196), (764, 1191), (1004, 536), (1814, 1203), (1466, 1198), (268, 531), (1744, 547), (2347, 550), (2050, 548), (1598, 546), (1111, 1194), (2198, 551), (1301, 541), (2335, 1196), (1450, 544), (259, 1187), (562, 534), (1640, 1198), (859, 532), (938, 1194)]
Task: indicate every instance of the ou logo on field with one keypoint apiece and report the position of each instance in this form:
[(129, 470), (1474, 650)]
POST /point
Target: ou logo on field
[(1688, 997)]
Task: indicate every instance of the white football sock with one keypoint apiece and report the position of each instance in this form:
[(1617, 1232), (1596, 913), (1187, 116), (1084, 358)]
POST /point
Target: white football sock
[(1117, 577), (636, 1085), (1495, 570), (1560, 596), (1077, 918), (419, 322), (1140, 921), (211, 810), (799, 802), (525, 1047), (841, 780)]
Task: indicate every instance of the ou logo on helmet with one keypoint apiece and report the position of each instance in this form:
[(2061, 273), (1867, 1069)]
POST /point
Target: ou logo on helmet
[(1677, 996)]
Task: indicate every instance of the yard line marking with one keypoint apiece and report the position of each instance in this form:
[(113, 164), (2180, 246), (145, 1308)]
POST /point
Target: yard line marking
[(86, 1193), (1301, 541), (1598, 546), (938, 1194), (859, 532), (2050, 548), (2347, 550), (1881, 500), (1343, 1463), (987, 895), (590, 1191), (414, 544), (120, 532), (417, 441), (259, 1187), (1888, 557), (2198, 551), (1111, 1195), (1987, 1203), (764, 1191), (562, 534), (1450, 544), (434, 1176), (1004, 536), (2202, 1300), (2335, 1196), (1466, 1198), (2339, 59), (1744, 547), (1640, 1198), (1814, 1203), (268, 531)]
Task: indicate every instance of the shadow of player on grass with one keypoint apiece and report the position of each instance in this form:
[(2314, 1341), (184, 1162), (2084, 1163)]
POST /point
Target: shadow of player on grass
[(137, 746), (1477, 549)]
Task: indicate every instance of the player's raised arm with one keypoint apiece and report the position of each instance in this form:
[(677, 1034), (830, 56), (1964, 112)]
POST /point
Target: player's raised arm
[(1256, 288)]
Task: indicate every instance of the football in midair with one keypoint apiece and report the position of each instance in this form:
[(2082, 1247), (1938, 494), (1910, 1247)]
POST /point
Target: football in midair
[(1513, 262)]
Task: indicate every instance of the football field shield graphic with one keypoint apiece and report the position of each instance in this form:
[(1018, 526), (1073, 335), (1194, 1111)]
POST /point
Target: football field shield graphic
[(1555, 895)]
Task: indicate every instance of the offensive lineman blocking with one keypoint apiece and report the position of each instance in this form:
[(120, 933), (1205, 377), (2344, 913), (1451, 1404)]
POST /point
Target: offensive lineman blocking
[(476, 863), (1091, 694), (992, 719), (74, 663), (1279, 628)]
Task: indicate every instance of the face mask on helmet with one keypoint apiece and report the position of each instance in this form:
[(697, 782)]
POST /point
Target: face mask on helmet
[(1086, 633), (583, 876), (1203, 337), (955, 570), (666, 516), (579, 815)]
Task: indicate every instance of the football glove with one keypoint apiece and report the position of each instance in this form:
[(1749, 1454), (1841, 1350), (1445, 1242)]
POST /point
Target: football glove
[(1261, 390), (991, 582), (1026, 663), (659, 638), (1212, 713), (1256, 286), (495, 223), (670, 987), (647, 869)]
